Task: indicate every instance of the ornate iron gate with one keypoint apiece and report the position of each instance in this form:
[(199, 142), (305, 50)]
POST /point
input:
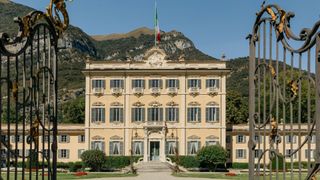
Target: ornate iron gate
[(28, 95), (284, 87)]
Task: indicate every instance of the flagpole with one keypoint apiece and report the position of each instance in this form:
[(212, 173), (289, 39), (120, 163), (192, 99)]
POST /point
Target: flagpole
[(155, 23)]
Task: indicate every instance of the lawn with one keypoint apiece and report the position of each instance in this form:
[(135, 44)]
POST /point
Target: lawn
[(238, 177), (67, 176)]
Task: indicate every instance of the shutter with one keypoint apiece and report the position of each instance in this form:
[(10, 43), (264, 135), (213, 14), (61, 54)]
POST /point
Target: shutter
[(207, 115), (160, 83), (103, 115), (143, 84), (294, 139), (67, 153), (167, 83), (121, 84), (207, 83), (60, 139), (13, 139), (133, 115), (149, 114), (217, 114), (150, 83), (121, 148), (79, 153), (161, 114), (111, 83), (133, 84), (177, 114), (92, 145), (199, 114), (177, 147), (103, 147), (188, 114), (189, 83), (143, 116), (189, 148), (111, 115), (218, 83), (68, 138), (244, 153), (244, 139), (110, 148), (178, 84), (92, 114), (59, 153), (199, 81), (167, 114), (121, 115), (142, 147), (167, 148), (199, 146), (103, 84), (79, 138)]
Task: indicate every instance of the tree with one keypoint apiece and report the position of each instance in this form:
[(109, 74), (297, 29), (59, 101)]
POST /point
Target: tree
[(74, 111), (212, 156), (237, 108), (93, 159)]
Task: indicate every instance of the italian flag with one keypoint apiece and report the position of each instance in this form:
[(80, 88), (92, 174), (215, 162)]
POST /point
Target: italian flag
[(157, 36)]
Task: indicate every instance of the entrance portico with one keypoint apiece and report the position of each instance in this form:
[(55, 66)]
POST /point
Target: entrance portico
[(155, 142)]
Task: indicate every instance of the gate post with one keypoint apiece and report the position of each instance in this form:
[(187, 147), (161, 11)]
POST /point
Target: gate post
[(317, 94), (251, 143)]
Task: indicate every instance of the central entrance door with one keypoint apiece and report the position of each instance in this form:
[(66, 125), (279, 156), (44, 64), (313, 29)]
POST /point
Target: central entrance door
[(154, 150)]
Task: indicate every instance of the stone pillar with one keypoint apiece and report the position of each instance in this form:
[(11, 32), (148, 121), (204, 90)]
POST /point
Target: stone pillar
[(146, 145), (163, 145)]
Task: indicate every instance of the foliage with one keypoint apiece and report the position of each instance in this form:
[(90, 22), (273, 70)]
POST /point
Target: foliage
[(93, 159), (75, 166), (32, 159), (236, 165), (237, 108), (212, 156), (118, 162), (187, 161), (74, 111)]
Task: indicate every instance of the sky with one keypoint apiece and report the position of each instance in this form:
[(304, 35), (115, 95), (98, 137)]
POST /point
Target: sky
[(215, 27)]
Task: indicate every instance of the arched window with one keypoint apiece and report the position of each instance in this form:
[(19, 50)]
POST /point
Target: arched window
[(116, 112), (155, 112), (172, 112), (194, 112), (212, 112), (98, 112), (138, 112)]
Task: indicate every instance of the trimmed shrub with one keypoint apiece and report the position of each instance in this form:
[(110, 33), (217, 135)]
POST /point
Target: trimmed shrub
[(280, 163), (187, 161), (240, 165), (93, 159), (212, 156), (75, 166)]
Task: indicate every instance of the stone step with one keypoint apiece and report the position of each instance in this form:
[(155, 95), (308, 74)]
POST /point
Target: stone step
[(153, 167)]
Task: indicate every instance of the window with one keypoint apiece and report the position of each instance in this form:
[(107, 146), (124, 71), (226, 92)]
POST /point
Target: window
[(171, 147), (4, 138), (257, 153), (137, 114), (212, 114), (313, 139), (98, 84), (228, 139), (81, 138), (309, 153), (193, 147), (241, 139), (64, 153), (116, 114), (288, 152), (46, 153), (211, 143), (138, 83), (137, 148), (194, 114), (116, 83), (80, 151), (241, 154), (98, 115), (212, 83), (98, 145), (172, 83), (155, 114), (17, 138), (155, 83), (172, 114), (258, 139), (116, 148), (290, 139), (64, 139), (194, 83)]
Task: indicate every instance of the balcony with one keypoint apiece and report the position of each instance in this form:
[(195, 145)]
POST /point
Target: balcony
[(155, 91), (172, 91), (98, 91), (154, 124), (137, 91), (212, 91), (116, 91), (194, 91)]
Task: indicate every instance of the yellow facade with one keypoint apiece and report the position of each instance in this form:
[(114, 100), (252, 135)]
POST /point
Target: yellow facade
[(185, 90)]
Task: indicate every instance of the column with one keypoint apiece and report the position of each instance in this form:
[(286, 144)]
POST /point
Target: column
[(163, 145)]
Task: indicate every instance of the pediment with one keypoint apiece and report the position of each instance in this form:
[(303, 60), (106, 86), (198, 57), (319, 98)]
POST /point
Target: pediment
[(172, 103), (115, 137), (138, 104), (98, 104), (194, 103), (212, 137), (212, 103), (155, 57), (116, 104), (194, 137), (155, 104), (97, 138)]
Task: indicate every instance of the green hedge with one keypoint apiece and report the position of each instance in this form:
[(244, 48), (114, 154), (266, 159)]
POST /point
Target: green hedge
[(118, 162), (187, 161), (240, 165)]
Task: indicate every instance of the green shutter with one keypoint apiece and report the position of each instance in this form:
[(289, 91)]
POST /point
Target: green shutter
[(177, 114), (103, 147), (178, 84), (133, 119), (150, 83), (111, 115), (218, 114), (110, 148), (167, 148), (143, 114), (161, 114), (121, 148), (121, 114), (189, 148), (199, 114)]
